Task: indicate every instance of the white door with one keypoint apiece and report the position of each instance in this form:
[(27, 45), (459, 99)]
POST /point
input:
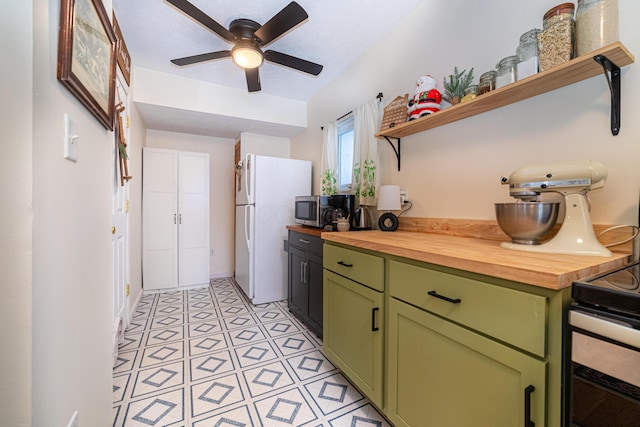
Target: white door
[(160, 219), (120, 223), (193, 219)]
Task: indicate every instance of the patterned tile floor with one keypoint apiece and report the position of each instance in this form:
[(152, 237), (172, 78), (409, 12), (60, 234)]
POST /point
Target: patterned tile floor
[(208, 357)]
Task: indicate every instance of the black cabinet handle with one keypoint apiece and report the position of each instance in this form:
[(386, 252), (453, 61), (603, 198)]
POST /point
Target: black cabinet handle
[(373, 319), (345, 264), (442, 297), (527, 406)]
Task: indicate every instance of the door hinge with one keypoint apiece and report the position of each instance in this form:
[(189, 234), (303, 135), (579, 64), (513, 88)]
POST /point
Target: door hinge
[(127, 290), (126, 206)]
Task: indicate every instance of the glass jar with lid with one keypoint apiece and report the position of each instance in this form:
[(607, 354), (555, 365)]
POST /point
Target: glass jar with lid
[(469, 93), (556, 42), (527, 53), (596, 24), (506, 71), (487, 82)]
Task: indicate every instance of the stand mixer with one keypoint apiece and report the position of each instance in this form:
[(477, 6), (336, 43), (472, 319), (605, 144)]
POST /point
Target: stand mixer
[(573, 180)]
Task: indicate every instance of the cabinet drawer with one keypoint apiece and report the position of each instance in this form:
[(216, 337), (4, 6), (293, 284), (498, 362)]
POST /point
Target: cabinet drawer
[(515, 317), (305, 241), (363, 268)]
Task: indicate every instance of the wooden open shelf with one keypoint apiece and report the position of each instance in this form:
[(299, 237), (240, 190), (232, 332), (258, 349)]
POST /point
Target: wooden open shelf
[(570, 72)]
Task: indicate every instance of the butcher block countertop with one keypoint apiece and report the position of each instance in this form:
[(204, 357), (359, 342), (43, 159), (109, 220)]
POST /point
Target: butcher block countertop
[(305, 230), (482, 256)]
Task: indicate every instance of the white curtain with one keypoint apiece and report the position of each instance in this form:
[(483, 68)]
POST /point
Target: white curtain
[(366, 155), (329, 166)]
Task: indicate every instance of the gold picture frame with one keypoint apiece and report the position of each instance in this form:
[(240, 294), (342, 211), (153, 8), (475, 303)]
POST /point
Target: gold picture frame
[(86, 56)]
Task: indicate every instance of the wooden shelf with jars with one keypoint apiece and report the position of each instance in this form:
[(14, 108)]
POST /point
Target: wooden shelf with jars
[(575, 70)]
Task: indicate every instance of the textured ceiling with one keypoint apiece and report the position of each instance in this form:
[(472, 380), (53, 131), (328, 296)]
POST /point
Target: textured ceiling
[(336, 33)]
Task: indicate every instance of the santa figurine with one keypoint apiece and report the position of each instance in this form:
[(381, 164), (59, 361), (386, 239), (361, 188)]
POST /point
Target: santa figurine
[(426, 98)]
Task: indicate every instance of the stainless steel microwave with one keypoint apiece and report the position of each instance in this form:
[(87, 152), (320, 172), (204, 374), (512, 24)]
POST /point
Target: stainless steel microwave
[(311, 210)]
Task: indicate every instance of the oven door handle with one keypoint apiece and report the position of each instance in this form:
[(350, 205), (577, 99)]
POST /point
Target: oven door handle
[(527, 406), (599, 326)]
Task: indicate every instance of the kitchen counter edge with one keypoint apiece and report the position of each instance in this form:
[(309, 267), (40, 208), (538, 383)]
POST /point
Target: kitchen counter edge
[(305, 230), (552, 271)]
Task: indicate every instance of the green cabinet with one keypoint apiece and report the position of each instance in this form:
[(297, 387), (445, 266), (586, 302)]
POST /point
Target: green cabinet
[(354, 322), (453, 348), (441, 374), (305, 279)]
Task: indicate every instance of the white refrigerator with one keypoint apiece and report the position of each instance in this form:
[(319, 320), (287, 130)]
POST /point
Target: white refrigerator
[(265, 194)]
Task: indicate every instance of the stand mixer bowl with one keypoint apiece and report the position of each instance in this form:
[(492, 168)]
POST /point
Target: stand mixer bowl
[(527, 223)]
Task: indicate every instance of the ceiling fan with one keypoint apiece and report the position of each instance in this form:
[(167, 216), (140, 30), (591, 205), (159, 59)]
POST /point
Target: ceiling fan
[(248, 37)]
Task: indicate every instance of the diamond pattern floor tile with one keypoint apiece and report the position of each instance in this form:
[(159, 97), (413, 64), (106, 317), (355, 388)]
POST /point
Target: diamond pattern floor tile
[(207, 344), (211, 365), (207, 357)]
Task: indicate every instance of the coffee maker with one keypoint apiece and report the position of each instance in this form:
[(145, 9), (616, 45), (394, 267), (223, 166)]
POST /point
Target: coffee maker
[(343, 206)]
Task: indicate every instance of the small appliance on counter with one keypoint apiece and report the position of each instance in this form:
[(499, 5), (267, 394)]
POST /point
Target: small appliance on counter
[(324, 211), (573, 180), (361, 218)]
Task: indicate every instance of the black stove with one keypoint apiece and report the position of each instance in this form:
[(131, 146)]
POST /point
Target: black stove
[(616, 292)]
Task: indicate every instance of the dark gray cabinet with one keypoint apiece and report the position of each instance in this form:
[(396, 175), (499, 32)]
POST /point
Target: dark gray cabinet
[(305, 278)]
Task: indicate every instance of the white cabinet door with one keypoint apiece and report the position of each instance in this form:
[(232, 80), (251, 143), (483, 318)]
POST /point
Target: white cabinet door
[(175, 219), (193, 218), (159, 219)]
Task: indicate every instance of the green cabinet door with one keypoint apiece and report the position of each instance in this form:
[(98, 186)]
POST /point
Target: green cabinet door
[(353, 332), (441, 374)]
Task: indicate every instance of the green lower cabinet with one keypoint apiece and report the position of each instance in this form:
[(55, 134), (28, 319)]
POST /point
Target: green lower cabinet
[(353, 332), (443, 375)]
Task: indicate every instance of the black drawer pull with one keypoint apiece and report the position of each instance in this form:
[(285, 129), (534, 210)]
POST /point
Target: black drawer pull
[(345, 264), (527, 406), (452, 301), (373, 319), (305, 241)]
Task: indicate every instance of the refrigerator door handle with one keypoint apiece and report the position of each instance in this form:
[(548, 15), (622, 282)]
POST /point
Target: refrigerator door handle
[(247, 179), (247, 222)]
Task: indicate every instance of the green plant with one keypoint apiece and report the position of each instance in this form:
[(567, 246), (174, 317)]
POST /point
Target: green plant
[(454, 88)]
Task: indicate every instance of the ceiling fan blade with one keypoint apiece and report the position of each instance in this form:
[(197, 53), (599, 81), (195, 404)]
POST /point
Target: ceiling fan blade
[(293, 62), (253, 79), (188, 60), (289, 17), (203, 19)]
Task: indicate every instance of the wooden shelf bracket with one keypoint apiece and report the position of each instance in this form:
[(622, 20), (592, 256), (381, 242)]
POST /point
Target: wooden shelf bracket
[(613, 80), (395, 150)]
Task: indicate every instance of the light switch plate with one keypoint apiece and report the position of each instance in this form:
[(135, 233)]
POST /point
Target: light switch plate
[(70, 139)]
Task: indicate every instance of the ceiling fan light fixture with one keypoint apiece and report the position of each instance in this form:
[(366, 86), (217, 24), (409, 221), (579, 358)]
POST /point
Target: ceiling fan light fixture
[(247, 56)]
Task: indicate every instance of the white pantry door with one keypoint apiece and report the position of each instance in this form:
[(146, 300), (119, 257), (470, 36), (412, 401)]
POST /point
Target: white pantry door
[(193, 219), (120, 221)]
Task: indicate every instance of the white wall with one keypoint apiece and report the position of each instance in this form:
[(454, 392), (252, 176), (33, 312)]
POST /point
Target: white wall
[(454, 170), (162, 89), (221, 175), (16, 120), (263, 145), (72, 274)]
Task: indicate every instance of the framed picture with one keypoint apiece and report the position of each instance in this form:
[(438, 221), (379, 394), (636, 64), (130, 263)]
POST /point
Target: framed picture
[(86, 56)]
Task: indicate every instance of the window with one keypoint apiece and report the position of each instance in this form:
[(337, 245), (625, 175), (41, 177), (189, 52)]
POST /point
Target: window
[(345, 154)]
